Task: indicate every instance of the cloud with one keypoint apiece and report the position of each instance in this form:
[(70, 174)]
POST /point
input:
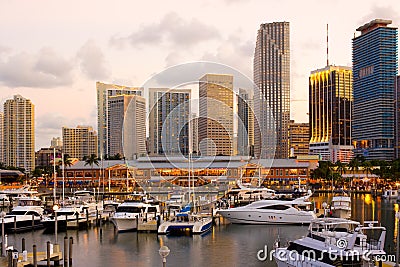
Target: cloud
[(380, 12), (92, 61), (45, 69), (171, 29)]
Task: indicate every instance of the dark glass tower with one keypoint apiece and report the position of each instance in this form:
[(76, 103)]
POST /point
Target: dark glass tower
[(374, 71)]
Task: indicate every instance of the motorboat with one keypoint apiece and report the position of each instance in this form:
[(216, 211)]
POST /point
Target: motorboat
[(341, 206), (335, 242), (297, 211), (25, 216), (247, 192), (390, 194), (134, 211), (184, 222)]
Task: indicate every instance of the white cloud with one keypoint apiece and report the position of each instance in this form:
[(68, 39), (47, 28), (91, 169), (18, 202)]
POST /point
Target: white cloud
[(92, 61)]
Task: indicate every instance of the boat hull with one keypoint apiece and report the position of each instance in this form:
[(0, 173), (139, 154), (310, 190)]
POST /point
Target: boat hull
[(125, 224), (22, 223), (266, 217)]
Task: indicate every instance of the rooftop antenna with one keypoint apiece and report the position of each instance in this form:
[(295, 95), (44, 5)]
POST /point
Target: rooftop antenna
[(327, 46)]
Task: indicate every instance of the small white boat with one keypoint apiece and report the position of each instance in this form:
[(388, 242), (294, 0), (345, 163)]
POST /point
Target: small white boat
[(25, 216), (341, 206), (298, 211), (186, 222), (4, 200), (335, 242), (390, 194), (134, 211)]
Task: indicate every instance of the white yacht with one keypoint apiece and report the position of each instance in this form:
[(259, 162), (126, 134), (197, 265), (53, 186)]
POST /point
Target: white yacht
[(297, 211), (26, 215), (335, 242), (341, 206), (247, 192), (186, 222), (390, 194), (133, 211)]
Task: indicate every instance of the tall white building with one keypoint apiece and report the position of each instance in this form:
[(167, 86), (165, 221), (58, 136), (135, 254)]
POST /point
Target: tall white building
[(79, 142), (271, 73), (169, 116), (104, 91), (216, 115), (19, 133), (127, 126), (56, 142), (1, 137)]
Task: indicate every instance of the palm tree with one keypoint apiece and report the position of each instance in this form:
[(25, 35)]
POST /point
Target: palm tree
[(354, 165), (91, 160)]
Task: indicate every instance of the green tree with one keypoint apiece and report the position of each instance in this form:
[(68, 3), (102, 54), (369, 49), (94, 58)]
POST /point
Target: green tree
[(91, 160)]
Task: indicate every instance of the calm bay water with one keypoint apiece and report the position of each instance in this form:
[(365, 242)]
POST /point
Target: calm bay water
[(225, 245)]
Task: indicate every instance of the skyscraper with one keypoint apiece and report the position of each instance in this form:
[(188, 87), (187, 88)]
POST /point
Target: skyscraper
[(127, 126), (1, 137), (169, 118), (331, 105), (271, 73), (104, 91), (397, 119), (216, 115), (79, 142), (245, 123), (375, 65), (19, 133), (194, 130)]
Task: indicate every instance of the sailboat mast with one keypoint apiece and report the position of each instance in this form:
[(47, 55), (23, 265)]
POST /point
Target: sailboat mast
[(54, 175)]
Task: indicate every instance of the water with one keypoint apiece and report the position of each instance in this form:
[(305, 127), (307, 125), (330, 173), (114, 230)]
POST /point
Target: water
[(225, 245)]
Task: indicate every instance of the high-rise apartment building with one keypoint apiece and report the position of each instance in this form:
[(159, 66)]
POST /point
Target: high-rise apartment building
[(245, 128), (216, 115), (127, 126), (19, 133), (271, 72), (330, 110), (104, 91), (1, 137), (299, 138), (56, 142), (79, 142), (194, 130), (169, 116), (397, 118), (375, 67)]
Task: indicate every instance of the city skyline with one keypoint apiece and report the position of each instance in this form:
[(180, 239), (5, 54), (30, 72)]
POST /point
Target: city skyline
[(50, 56)]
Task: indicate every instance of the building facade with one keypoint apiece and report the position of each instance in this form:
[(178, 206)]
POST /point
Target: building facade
[(299, 138), (271, 74), (104, 91), (79, 142), (375, 67), (44, 157), (169, 117), (1, 137), (19, 133), (397, 119), (56, 142), (216, 115), (330, 113), (127, 126), (194, 130), (245, 130)]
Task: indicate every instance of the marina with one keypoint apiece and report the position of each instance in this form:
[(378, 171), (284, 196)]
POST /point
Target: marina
[(225, 244)]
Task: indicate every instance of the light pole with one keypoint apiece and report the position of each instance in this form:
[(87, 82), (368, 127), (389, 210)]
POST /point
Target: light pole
[(324, 206), (164, 252), (55, 208), (3, 240), (397, 238)]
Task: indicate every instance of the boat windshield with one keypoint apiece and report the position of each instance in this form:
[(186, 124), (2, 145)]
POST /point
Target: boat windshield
[(28, 202), (130, 209), (17, 212)]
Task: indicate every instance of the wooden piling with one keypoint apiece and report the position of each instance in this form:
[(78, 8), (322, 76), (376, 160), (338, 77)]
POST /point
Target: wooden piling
[(34, 256), (65, 251), (9, 257), (23, 244), (48, 253), (33, 221), (71, 242), (87, 218), (15, 224)]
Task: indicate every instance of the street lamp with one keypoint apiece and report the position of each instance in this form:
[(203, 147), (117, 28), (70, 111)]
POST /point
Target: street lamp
[(324, 206), (55, 208), (3, 240), (164, 252), (397, 239)]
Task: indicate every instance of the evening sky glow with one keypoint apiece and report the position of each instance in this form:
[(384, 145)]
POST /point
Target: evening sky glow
[(53, 52)]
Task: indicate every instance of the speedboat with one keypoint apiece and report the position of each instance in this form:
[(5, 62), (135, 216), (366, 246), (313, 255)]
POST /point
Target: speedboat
[(335, 242), (184, 221), (297, 211), (25, 216), (341, 206), (134, 211)]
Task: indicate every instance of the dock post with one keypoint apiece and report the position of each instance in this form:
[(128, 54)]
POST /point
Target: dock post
[(23, 244), (97, 216), (33, 221), (87, 218), (65, 251), (34, 256), (66, 223), (137, 222), (71, 242), (15, 260), (101, 225), (77, 220), (15, 224), (9, 257), (48, 254)]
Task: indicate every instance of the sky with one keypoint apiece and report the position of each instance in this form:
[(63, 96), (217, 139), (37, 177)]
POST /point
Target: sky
[(53, 52)]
